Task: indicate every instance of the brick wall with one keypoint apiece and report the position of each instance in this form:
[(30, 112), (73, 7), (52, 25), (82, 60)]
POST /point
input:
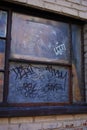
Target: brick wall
[(74, 8), (68, 122)]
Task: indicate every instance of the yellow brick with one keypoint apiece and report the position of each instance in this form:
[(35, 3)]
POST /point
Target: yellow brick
[(17, 120), (45, 119), (52, 7), (83, 14), (4, 120), (52, 125), (32, 126), (69, 124), (50, 1), (84, 2), (22, 1), (79, 7), (80, 116), (75, 1), (38, 3), (64, 3), (70, 11), (64, 117)]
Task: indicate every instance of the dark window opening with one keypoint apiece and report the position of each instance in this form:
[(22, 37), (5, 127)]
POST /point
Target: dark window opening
[(40, 65)]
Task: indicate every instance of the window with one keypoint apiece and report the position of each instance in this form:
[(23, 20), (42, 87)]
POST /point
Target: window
[(35, 39), (40, 64), (3, 29)]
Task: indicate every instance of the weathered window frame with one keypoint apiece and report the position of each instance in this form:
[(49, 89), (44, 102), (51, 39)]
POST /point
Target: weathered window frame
[(12, 110)]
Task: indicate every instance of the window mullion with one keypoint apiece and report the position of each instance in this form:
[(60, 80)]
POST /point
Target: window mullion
[(7, 51), (83, 65)]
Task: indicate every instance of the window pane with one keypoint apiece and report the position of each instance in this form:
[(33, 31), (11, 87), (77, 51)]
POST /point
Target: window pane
[(76, 64), (30, 83), (3, 23), (35, 38), (1, 86), (2, 53)]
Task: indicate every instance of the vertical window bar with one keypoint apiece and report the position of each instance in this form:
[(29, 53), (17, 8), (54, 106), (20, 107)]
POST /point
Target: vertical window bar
[(8, 39), (83, 65), (70, 40)]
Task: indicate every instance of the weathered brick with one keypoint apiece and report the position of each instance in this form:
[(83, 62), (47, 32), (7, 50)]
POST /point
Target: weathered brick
[(77, 122), (20, 120), (84, 2), (35, 126), (45, 119), (22, 1), (9, 127), (51, 125), (64, 117), (75, 1), (13, 127), (83, 15), (83, 122), (68, 124), (4, 127), (70, 11), (85, 128), (38, 3), (79, 7), (50, 1), (4, 120), (64, 3), (52, 7)]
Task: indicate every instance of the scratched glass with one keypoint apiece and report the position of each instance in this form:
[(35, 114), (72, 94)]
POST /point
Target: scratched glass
[(30, 83), (1, 86), (3, 23), (2, 53), (78, 92), (39, 39)]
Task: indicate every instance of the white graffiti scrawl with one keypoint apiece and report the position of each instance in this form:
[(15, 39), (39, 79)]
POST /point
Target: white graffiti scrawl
[(59, 50)]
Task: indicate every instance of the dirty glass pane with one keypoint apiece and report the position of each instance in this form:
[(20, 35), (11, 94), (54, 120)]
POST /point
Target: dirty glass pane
[(3, 23), (1, 86), (30, 83), (2, 53), (40, 39), (76, 64)]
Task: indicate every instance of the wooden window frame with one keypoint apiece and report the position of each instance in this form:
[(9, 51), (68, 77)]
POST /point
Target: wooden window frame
[(12, 110)]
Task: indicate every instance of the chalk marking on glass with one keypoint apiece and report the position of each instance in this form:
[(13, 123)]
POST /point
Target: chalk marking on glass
[(59, 50)]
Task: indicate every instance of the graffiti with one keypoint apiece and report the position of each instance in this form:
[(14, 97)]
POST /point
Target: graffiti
[(39, 82), (21, 72), (59, 50), (57, 73), (53, 87), (28, 90)]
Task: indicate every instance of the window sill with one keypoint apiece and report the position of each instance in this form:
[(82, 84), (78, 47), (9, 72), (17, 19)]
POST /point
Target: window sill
[(42, 110)]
